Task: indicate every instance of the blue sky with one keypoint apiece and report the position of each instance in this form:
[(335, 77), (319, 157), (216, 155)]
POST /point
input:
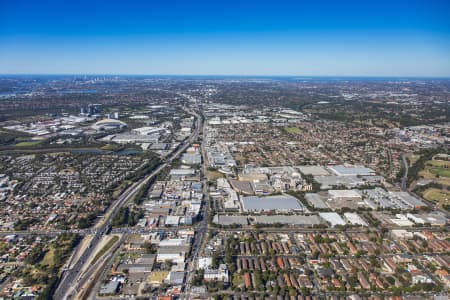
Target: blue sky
[(344, 38)]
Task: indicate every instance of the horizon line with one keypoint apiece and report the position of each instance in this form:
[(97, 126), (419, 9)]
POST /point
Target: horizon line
[(228, 75)]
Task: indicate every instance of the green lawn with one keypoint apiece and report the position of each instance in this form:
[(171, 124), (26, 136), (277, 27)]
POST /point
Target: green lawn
[(28, 144), (49, 258), (436, 195), (105, 248), (213, 175), (442, 172), (292, 130), (437, 170), (111, 147), (121, 187), (237, 280)]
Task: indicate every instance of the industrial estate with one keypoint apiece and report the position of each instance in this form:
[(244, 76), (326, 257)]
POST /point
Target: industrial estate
[(116, 187)]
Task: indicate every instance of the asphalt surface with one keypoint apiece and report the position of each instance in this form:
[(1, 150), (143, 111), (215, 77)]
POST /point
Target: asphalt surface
[(201, 228), (405, 175)]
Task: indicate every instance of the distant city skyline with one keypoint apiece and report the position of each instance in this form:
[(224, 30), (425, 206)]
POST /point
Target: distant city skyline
[(292, 38)]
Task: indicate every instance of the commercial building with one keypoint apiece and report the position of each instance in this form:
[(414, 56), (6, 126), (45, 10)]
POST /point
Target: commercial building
[(110, 288), (314, 170), (284, 203), (148, 130), (230, 220), (204, 262), (344, 195), (297, 220), (181, 174), (315, 201), (349, 170), (191, 159), (332, 218), (354, 219), (221, 274), (407, 199)]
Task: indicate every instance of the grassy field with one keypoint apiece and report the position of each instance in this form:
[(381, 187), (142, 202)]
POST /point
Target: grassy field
[(412, 159), (213, 175), (120, 188), (105, 248), (158, 276), (292, 130), (28, 144), (438, 171), (237, 279), (49, 258), (111, 147), (437, 195)]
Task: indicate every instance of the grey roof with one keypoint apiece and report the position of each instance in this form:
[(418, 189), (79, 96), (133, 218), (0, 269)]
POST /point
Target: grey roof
[(278, 202), (315, 200), (293, 220), (191, 158), (352, 170), (333, 218), (182, 172), (110, 288), (409, 199), (229, 220), (314, 170), (176, 277)]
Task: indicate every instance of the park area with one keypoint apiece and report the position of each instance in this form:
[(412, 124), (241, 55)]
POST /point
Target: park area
[(438, 171), (292, 130)]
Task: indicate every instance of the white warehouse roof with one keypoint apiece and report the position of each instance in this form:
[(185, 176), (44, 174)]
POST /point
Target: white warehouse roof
[(344, 170), (278, 202), (332, 218)]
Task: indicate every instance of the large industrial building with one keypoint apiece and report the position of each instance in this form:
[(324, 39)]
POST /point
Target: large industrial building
[(344, 195), (350, 170), (332, 218), (283, 203), (148, 130)]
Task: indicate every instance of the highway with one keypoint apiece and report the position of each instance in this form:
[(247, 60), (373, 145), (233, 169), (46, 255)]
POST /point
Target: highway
[(70, 276), (202, 227)]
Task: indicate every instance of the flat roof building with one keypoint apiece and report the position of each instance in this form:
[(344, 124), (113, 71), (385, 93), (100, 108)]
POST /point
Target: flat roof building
[(148, 130), (342, 195), (332, 218), (407, 199), (278, 203), (110, 288), (347, 170), (354, 219), (191, 159), (314, 170), (315, 201)]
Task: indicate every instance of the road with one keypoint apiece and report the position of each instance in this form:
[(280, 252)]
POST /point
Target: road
[(202, 227), (95, 269), (405, 175), (69, 277)]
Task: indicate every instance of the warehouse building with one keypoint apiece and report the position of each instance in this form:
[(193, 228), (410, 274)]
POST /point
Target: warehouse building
[(344, 195), (148, 130), (349, 170), (316, 201), (354, 219), (332, 218), (282, 203)]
